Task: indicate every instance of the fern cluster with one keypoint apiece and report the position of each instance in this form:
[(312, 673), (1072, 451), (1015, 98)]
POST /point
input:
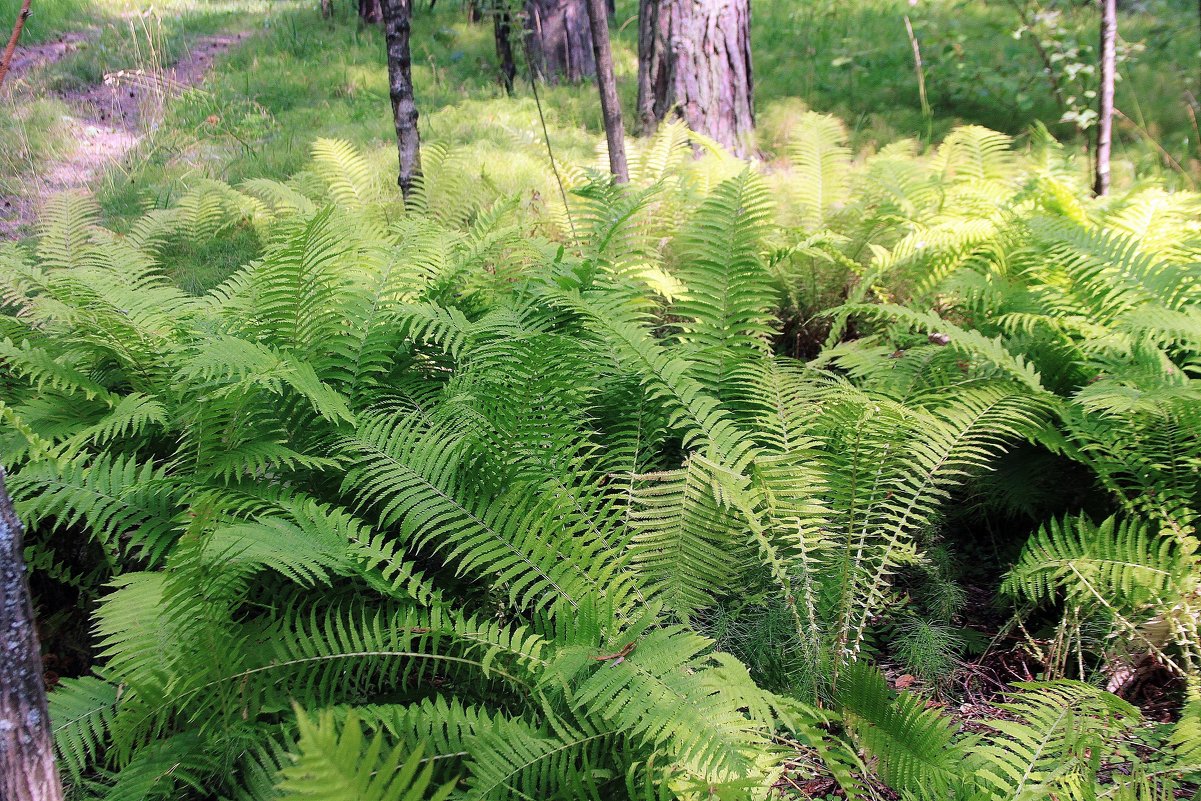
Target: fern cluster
[(494, 500)]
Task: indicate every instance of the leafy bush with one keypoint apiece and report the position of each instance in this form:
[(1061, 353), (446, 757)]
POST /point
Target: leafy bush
[(515, 486)]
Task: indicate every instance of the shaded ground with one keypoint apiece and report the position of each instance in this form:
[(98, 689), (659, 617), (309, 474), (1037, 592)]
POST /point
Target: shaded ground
[(107, 120)]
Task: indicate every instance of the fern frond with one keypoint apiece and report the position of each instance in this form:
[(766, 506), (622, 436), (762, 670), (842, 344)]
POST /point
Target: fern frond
[(81, 714), (915, 746), (821, 162), (340, 765)]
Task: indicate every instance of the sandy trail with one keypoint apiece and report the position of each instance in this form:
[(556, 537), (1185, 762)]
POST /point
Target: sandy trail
[(107, 120)]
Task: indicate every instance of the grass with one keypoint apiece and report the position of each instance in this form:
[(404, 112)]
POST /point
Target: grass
[(301, 77), (48, 20), (33, 134)]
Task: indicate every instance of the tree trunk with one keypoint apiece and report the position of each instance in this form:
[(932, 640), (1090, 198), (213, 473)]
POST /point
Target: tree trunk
[(27, 771), (1109, 32), (502, 29), (653, 75), (606, 81), (400, 86), (327, 9), (370, 11), (560, 44), (694, 60)]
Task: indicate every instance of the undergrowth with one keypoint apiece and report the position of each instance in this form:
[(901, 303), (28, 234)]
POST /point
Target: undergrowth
[(627, 498)]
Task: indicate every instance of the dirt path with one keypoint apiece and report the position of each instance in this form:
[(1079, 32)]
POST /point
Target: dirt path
[(107, 122)]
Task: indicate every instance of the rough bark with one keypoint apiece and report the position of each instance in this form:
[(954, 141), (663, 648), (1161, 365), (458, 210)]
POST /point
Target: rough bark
[(27, 771), (11, 48), (1109, 33), (397, 28), (559, 40), (606, 81), (695, 62), (370, 11), (502, 30), (653, 75)]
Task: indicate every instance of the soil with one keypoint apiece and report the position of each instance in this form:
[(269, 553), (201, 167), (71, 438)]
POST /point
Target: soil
[(107, 122)]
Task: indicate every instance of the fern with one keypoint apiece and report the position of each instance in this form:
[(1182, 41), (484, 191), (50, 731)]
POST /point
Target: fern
[(483, 496), (333, 765)]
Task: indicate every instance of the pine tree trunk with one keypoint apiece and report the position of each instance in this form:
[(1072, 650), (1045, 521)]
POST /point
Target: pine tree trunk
[(606, 81), (397, 29), (502, 30), (1109, 32), (653, 75), (695, 61), (27, 771), (370, 11), (560, 44)]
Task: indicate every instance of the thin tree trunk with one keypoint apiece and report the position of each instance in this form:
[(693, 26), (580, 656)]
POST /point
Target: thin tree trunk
[(606, 81), (559, 40), (695, 60), (1109, 32), (370, 11), (18, 26), (502, 29), (397, 28), (27, 771), (327, 9)]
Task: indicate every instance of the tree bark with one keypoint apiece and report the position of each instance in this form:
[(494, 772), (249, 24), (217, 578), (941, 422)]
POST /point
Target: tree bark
[(653, 76), (502, 30), (397, 28), (694, 60), (370, 11), (11, 48), (606, 81), (559, 40), (1109, 33), (27, 771)]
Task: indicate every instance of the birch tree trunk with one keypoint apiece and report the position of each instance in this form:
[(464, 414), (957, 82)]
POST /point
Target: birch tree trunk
[(397, 28), (695, 61), (1109, 33), (559, 40), (27, 771), (606, 81)]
